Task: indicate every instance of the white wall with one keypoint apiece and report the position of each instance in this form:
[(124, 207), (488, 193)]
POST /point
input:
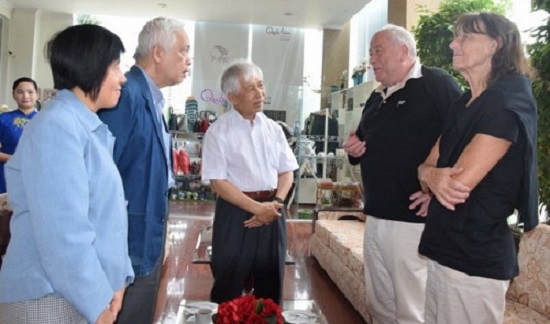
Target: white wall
[(5, 9), (21, 46), (48, 24), (5, 15), (29, 32), (363, 26)]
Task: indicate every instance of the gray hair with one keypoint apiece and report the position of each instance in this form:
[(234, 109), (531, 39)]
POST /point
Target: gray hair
[(230, 80), (157, 32), (400, 35)]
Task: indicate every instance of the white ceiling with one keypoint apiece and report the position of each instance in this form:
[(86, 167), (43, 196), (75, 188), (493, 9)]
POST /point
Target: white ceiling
[(331, 14)]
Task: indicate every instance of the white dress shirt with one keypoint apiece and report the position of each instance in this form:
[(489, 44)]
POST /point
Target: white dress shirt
[(250, 155)]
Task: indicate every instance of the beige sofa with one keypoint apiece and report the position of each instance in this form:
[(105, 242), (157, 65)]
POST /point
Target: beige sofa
[(528, 298), (338, 247)]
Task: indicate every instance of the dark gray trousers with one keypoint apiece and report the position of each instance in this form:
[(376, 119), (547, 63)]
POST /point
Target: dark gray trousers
[(138, 306)]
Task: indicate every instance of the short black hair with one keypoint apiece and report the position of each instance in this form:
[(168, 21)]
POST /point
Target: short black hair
[(24, 79), (81, 55)]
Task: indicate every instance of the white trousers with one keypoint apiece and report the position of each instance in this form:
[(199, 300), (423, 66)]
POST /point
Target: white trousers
[(453, 297), (395, 274)]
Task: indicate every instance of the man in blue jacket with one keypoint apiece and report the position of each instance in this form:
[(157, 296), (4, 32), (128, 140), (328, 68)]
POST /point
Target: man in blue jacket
[(142, 153)]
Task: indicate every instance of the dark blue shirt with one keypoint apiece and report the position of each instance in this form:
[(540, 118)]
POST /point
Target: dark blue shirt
[(475, 237), (399, 132), (11, 128)]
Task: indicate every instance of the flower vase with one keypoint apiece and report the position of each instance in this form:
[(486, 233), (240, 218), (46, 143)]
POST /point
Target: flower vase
[(357, 79), (248, 309)]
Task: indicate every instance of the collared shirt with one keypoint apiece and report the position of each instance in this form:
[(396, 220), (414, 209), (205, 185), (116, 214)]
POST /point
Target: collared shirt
[(158, 98), (249, 155), (69, 224), (414, 73)]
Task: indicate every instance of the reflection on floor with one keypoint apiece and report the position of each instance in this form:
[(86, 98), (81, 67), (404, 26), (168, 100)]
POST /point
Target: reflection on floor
[(181, 279)]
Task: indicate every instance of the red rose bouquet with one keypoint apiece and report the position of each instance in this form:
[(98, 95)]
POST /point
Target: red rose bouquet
[(248, 310)]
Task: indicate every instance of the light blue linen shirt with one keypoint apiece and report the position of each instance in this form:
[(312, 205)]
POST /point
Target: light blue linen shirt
[(69, 226), (158, 98)]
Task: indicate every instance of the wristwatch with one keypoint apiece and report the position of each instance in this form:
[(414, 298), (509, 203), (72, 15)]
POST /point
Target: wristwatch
[(279, 200)]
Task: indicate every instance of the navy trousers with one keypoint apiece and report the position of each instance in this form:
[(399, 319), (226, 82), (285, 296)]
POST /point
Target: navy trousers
[(243, 255)]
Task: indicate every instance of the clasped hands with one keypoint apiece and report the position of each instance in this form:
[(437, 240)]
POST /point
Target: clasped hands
[(268, 213), (440, 183)]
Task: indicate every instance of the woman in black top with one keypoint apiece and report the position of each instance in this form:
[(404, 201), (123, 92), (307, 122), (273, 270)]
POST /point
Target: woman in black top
[(480, 170)]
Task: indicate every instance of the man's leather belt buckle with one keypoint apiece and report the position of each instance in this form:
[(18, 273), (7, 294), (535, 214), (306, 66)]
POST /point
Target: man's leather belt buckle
[(264, 194)]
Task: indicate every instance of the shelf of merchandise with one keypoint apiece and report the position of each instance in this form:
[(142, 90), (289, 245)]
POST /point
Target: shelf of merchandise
[(189, 186)]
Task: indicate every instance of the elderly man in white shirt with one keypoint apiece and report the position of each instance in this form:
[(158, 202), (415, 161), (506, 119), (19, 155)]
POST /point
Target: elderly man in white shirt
[(249, 165)]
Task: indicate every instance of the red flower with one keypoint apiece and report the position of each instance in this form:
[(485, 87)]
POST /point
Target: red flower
[(248, 310)]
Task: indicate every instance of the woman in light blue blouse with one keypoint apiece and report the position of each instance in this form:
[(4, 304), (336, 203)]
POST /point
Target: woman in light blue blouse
[(67, 261)]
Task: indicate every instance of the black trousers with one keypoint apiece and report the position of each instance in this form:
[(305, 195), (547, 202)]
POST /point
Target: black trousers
[(140, 298), (243, 255)]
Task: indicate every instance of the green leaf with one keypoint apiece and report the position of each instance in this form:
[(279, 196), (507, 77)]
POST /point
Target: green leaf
[(540, 60)]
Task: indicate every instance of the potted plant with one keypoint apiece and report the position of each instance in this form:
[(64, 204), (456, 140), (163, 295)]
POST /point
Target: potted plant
[(359, 72), (343, 78), (540, 59)]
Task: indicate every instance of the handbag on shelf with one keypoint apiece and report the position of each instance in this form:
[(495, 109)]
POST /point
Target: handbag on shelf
[(172, 120)]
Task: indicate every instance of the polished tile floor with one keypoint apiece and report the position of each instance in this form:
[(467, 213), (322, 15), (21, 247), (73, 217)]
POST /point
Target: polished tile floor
[(181, 279)]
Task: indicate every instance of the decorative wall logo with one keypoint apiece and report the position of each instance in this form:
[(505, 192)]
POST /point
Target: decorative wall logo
[(281, 32), (219, 54), (208, 95)]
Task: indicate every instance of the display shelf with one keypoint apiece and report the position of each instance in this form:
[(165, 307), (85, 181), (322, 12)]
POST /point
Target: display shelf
[(182, 134), (317, 138), (339, 194), (188, 176), (187, 149)]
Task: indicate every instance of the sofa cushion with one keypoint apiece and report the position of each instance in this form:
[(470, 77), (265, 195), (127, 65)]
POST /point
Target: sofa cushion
[(345, 239), (337, 214), (517, 313), (531, 287), (338, 246)]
